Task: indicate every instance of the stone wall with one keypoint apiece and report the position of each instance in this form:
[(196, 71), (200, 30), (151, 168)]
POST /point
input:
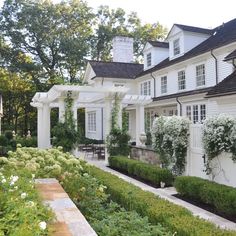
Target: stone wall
[(144, 154)]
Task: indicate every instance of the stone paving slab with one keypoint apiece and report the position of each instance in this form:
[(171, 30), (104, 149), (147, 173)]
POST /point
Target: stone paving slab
[(166, 193), (69, 220)]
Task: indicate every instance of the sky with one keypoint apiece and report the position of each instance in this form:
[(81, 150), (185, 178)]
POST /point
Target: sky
[(201, 13)]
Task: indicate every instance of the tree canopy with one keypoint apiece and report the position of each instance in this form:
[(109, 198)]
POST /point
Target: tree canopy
[(43, 43)]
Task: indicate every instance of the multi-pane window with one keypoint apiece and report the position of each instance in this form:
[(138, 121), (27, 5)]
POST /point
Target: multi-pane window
[(164, 84), (195, 114), (202, 112), (189, 112), (200, 75), (176, 47), (92, 121), (149, 59), (146, 88), (181, 80), (199, 113)]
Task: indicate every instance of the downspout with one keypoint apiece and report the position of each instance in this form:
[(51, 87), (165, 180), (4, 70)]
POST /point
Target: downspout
[(154, 80), (216, 66), (180, 106)]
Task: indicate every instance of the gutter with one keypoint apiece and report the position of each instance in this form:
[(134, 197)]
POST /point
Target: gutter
[(180, 106), (154, 79), (216, 66)]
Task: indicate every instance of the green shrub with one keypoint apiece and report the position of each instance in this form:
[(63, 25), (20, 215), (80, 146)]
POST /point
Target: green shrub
[(3, 141), (174, 217), (27, 141), (147, 172), (219, 196), (8, 134)]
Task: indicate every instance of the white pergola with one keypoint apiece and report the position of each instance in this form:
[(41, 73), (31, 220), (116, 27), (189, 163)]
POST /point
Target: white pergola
[(85, 97)]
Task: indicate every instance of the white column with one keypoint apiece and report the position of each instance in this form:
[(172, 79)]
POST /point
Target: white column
[(107, 123), (61, 103), (139, 122), (44, 126)]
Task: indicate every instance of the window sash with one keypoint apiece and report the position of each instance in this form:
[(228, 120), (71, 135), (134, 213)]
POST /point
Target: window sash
[(176, 47), (189, 112), (200, 75), (92, 121), (146, 88), (181, 80), (164, 84), (149, 59)]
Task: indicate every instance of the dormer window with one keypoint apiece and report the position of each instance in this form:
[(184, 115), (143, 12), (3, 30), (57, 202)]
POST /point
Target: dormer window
[(176, 47), (149, 59)]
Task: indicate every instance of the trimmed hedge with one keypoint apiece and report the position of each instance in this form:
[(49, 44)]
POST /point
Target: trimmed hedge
[(152, 174), (175, 218), (221, 197)]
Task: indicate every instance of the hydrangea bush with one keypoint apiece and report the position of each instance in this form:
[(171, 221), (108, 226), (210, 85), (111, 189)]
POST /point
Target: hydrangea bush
[(170, 140), (219, 135)]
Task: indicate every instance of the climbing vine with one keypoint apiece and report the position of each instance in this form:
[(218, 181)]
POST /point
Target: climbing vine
[(219, 135), (170, 141), (65, 134), (118, 138)]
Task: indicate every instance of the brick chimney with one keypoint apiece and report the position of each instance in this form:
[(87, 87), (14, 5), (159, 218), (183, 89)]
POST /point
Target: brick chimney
[(123, 49)]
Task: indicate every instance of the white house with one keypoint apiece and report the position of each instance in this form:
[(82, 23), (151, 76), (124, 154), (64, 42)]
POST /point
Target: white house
[(191, 74)]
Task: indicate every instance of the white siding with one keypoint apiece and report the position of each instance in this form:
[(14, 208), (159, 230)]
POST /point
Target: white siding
[(224, 68)]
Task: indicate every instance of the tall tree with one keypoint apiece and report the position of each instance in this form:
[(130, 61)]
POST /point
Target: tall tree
[(112, 22), (54, 35)]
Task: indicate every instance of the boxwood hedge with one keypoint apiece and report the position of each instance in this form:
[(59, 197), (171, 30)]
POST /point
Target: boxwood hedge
[(150, 173), (175, 218), (221, 197)]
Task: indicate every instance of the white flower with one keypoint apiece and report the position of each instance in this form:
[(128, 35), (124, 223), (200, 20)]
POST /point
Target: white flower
[(33, 176), (30, 203), (4, 181), (14, 178), (16, 187), (42, 225), (23, 195)]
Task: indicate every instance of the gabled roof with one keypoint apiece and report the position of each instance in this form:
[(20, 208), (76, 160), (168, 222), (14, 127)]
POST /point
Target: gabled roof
[(116, 69), (159, 44), (194, 29), (225, 87), (231, 56), (221, 36)]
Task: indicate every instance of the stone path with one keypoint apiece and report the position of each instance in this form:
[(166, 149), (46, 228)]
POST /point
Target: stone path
[(167, 193), (69, 220)]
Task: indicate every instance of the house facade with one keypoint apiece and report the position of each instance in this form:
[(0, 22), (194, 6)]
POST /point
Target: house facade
[(192, 74)]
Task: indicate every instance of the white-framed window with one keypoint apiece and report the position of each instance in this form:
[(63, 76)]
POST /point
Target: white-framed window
[(196, 113), (146, 88), (189, 112), (176, 47), (181, 80), (119, 85), (164, 84), (200, 75), (92, 121), (149, 59)]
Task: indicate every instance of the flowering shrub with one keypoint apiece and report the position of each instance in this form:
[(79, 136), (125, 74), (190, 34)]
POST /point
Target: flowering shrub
[(219, 135), (170, 140), (21, 209)]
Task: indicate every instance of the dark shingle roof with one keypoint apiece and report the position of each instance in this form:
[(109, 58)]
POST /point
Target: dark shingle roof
[(231, 56), (182, 94), (159, 44), (116, 69), (194, 29), (225, 87), (222, 35)]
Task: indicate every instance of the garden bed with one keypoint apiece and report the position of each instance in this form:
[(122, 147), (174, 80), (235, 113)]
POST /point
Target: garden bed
[(206, 207)]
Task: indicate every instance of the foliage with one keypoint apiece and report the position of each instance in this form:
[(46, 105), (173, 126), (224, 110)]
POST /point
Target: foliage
[(26, 141), (65, 134), (118, 138), (219, 196), (219, 136), (21, 208), (85, 190), (147, 172), (174, 217), (170, 140)]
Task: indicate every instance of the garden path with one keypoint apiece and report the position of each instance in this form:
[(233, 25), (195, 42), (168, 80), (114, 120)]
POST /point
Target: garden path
[(167, 193)]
